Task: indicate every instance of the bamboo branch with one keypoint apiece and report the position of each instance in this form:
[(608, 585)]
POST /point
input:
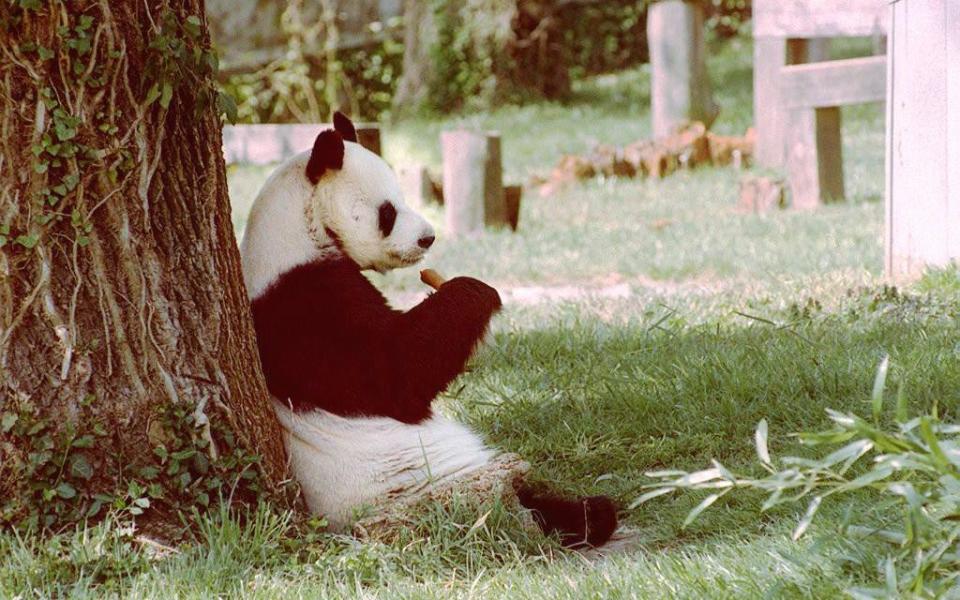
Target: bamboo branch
[(432, 278)]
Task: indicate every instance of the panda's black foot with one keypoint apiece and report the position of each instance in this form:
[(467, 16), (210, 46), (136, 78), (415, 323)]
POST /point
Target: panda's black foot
[(581, 522)]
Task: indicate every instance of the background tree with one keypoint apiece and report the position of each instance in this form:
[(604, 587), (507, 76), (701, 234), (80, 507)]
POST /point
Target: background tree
[(128, 367), (419, 35)]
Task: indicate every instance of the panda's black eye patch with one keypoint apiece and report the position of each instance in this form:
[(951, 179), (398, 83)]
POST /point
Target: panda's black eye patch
[(388, 216)]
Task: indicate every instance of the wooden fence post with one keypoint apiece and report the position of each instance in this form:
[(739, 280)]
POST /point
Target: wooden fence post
[(680, 87), (472, 181), (812, 96), (923, 137), (814, 156), (770, 54)]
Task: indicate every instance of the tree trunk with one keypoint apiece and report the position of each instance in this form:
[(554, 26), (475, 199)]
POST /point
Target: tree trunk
[(127, 350), (419, 34)]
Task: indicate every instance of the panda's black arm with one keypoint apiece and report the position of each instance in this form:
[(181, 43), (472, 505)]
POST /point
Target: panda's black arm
[(329, 340), (436, 338)]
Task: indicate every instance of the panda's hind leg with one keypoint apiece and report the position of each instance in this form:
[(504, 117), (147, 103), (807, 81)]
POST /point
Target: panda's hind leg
[(582, 522)]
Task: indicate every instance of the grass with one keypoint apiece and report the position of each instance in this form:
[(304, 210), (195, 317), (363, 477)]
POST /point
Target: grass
[(684, 323)]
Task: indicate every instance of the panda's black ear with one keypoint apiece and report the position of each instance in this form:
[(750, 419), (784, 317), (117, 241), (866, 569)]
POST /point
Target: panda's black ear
[(344, 125), (327, 154)]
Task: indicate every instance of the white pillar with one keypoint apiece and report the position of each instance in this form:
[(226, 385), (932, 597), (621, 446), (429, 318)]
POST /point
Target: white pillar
[(923, 136)]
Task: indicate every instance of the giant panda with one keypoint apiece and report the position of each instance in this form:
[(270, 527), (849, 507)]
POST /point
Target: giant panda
[(353, 379)]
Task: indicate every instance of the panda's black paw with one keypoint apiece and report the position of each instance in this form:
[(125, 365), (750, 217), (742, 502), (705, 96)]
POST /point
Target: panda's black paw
[(584, 522), (601, 520), (473, 292)]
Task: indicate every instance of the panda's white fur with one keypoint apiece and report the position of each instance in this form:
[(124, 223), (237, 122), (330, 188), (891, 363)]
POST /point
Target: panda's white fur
[(344, 463)]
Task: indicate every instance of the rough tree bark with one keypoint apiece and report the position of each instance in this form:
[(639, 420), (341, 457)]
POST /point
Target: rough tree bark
[(121, 296), (419, 35)]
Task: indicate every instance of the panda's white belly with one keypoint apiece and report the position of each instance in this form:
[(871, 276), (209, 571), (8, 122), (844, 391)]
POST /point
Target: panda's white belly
[(343, 463)]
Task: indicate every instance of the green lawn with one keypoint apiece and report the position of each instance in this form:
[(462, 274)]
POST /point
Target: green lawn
[(649, 325)]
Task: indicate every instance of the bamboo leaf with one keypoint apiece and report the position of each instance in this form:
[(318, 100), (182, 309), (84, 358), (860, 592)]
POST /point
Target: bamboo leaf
[(890, 575), (926, 432), (849, 453), (701, 476), (479, 523), (650, 496), (702, 507), (879, 384), (873, 476), (807, 518), (760, 438), (665, 473), (901, 404)]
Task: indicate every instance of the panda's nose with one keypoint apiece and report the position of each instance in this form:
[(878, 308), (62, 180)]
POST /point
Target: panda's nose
[(426, 241)]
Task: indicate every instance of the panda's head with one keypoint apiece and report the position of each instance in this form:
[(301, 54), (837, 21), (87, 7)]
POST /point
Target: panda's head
[(339, 199), (356, 201)]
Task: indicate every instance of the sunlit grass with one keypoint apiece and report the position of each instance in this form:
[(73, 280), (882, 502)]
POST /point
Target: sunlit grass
[(681, 322)]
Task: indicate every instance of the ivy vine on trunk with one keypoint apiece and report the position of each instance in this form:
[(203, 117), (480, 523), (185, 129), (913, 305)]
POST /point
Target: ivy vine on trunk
[(129, 376)]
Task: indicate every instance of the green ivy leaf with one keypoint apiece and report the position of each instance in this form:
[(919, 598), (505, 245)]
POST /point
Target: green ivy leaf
[(227, 107), (166, 95), (94, 508), (85, 441), (71, 181), (66, 491), (79, 467), (7, 422), (192, 26), (28, 241), (153, 94), (183, 454), (40, 167), (64, 131)]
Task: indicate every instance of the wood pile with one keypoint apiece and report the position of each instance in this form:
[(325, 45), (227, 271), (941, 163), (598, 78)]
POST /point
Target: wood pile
[(691, 146)]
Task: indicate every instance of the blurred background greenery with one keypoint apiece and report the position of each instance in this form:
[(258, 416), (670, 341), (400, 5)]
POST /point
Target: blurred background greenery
[(291, 62)]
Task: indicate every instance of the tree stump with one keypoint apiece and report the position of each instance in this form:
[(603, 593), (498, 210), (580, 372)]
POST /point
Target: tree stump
[(368, 136), (512, 195), (472, 181), (680, 87), (417, 185)]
